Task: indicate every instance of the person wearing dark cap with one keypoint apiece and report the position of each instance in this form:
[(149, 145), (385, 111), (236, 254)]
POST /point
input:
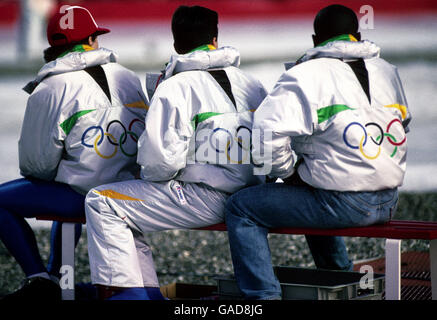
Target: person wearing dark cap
[(199, 115), (338, 121), (83, 117)]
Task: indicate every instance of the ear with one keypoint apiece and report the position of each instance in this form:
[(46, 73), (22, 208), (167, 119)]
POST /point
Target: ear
[(93, 43), (215, 42)]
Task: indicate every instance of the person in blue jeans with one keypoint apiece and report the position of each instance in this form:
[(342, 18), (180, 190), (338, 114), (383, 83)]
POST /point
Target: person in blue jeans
[(334, 130), (83, 118)]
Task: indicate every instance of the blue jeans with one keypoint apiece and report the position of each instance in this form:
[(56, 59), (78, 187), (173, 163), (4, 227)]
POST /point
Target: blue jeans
[(251, 212), (28, 198)]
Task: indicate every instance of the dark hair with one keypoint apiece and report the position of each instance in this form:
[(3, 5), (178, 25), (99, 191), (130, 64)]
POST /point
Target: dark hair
[(335, 20), (192, 27), (52, 53)]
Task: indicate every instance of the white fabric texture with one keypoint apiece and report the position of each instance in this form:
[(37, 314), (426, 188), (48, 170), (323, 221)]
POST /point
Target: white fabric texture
[(119, 255), (164, 145), (71, 131), (173, 193), (318, 111)]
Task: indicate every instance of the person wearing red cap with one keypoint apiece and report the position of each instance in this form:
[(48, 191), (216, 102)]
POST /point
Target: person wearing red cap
[(80, 130)]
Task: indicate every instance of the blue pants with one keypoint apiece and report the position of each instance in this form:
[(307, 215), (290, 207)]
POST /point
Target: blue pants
[(28, 198), (252, 211)]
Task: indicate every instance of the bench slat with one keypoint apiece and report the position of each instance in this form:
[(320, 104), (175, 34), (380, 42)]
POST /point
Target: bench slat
[(395, 229), (61, 219)]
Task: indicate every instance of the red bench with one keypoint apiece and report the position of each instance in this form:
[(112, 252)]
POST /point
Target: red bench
[(393, 232)]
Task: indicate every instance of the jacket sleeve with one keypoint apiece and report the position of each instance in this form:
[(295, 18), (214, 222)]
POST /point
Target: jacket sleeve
[(284, 113), (163, 145), (40, 147), (403, 100)]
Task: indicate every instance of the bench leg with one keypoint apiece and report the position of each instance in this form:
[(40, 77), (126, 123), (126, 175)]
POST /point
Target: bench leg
[(67, 269), (392, 269), (433, 260)]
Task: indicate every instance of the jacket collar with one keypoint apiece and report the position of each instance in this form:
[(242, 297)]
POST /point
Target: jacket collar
[(343, 49), (77, 48), (342, 37), (203, 60), (73, 61), (205, 47)]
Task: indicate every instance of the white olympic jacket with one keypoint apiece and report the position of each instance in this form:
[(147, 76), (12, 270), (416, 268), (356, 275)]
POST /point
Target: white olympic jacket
[(72, 133), (194, 132), (318, 111)]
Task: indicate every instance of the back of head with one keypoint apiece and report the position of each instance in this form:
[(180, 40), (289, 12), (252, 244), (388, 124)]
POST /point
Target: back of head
[(192, 27), (335, 20)]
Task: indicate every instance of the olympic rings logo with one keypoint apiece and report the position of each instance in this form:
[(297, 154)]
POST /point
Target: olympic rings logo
[(221, 146), (116, 143), (376, 134), (242, 140)]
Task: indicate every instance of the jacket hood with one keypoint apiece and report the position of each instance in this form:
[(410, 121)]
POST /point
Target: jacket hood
[(343, 50), (203, 60), (73, 61)]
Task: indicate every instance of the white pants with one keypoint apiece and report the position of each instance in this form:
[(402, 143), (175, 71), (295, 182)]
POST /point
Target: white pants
[(119, 214)]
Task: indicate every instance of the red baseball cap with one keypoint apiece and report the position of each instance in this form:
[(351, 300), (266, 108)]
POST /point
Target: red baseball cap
[(71, 24)]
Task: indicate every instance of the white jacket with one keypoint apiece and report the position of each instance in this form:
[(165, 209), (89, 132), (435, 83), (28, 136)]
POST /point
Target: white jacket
[(319, 111), (72, 133), (188, 111)]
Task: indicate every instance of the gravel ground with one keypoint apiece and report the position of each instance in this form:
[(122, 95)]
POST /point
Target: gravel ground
[(198, 256)]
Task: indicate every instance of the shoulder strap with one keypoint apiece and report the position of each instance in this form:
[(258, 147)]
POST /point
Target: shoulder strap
[(222, 79), (98, 74), (359, 68)]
